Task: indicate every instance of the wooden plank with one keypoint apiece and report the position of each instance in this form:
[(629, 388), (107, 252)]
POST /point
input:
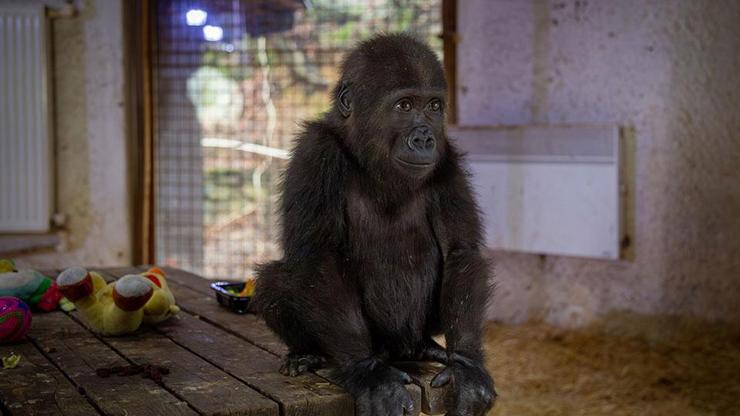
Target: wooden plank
[(193, 293), (205, 387), (301, 396), (248, 326), (305, 395), (78, 354), (116, 272), (36, 387), (432, 400), (196, 297), (21, 243), (202, 302), (185, 278), (139, 17), (449, 56), (414, 391), (208, 389)]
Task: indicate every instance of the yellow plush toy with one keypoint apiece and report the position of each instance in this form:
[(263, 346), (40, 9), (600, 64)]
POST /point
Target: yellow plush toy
[(119, 307)]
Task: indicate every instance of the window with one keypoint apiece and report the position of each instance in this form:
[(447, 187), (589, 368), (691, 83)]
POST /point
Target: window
[(233, 80)]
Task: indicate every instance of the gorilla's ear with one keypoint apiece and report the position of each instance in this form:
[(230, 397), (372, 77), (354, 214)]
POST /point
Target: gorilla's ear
[(344, 101)]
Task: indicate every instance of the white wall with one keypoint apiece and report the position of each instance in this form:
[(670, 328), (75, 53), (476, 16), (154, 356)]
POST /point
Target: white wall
[(669, 70), (89, 113)]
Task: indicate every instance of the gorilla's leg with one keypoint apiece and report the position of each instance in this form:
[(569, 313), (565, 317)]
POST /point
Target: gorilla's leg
[(433, 352), (429, 350), (276, 299), (317, 313), (296, 364), (314, 311)]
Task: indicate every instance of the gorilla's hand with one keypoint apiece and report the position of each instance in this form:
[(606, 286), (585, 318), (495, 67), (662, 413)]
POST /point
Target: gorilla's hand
[(382, 393), (471, 390)]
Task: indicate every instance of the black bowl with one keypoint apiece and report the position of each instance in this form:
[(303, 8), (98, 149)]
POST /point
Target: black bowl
[(230, 301)]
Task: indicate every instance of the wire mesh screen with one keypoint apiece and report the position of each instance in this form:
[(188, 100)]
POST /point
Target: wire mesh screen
[(234, 78)]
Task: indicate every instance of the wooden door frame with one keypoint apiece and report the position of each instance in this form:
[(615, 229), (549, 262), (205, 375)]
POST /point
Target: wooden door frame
[(139, 44), (449, 48)]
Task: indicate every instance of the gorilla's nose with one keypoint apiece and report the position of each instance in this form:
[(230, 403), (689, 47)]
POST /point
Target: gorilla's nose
[(421, 140)]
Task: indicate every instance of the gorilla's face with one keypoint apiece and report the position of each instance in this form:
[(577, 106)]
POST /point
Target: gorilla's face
[(416, 121), (391, 98), (396, 132)]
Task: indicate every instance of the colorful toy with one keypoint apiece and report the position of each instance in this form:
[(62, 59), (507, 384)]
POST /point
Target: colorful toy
[(7, 265), (15, 319), (119, 307), (32, 287)]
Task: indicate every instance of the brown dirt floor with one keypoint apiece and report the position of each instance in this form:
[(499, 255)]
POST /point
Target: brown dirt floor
[(626, 365)]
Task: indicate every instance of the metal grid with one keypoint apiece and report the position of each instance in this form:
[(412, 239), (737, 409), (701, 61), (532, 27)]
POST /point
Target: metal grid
[(234, 78)]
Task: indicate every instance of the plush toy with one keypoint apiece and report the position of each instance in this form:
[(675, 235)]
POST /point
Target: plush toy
[(119, 307), (15, 319), (7, 265), (32, 287)]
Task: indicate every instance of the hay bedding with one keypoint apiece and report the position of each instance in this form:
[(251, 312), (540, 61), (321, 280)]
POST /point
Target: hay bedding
[(627, 366)]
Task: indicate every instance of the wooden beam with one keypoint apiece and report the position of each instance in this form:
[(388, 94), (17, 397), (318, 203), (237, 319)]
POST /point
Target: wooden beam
[(449, 48), (206, 388), (140, 41), (21, 243), (305, 395), (36, 387), (194, 296), (78, 354)]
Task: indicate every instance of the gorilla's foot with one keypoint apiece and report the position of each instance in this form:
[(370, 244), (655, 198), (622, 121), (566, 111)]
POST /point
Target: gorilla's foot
[(434, 352), (297, 364), (429, 351)]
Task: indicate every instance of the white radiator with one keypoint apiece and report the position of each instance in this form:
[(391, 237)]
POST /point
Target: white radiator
[(548, 189), (25, 145)]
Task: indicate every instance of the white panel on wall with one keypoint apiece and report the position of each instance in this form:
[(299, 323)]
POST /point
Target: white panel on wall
[(25, 148), (547, 189)]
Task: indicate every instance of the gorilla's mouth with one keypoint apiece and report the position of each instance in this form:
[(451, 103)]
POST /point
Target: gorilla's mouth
[(414, 164)]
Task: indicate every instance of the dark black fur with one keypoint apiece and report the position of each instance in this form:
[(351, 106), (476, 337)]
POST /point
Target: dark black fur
[(379, 256)]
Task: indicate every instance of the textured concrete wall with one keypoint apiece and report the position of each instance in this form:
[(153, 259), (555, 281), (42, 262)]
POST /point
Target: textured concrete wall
[(90, 138), (670, 71)]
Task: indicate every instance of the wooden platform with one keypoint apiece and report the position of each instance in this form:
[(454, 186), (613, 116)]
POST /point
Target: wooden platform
[(220, 363)]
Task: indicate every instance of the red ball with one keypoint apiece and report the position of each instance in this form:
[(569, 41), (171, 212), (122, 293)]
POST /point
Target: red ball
[(15, 319)]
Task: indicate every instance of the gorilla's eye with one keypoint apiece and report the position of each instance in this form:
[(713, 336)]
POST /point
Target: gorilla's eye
[(435, 105), (404, 105)]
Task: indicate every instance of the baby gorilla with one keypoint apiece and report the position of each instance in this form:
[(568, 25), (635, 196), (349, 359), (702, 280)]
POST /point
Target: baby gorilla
[(381, 238)]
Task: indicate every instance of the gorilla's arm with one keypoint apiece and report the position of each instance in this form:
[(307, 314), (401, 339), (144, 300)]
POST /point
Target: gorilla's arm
[(465, 286), (305, 297), (464, 292), (313, 196)]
